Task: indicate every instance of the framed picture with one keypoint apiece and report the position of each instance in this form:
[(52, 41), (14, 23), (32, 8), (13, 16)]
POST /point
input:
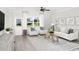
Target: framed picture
[(18, 22), (77, 20), (62, 20), (56, 21), (70, 21)]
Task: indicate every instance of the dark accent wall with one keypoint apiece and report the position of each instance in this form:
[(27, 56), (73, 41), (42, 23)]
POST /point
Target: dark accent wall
[(2, 20)]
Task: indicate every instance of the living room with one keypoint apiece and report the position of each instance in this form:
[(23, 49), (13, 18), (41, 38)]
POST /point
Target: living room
[(40, 29)]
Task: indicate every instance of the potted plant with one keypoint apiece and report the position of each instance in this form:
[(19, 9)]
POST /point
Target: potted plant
[(8, 30)]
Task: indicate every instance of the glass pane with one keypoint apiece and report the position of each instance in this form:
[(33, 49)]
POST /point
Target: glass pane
[(18, 22), (29, 25)]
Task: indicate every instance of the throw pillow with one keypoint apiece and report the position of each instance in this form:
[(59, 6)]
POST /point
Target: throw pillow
[(32, 29), (41, 28), (70, 31)]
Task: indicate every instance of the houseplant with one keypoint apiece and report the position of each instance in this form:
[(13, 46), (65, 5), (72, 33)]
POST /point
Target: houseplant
[(8, 30)]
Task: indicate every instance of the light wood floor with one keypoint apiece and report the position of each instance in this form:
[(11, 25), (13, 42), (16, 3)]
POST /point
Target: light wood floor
[(39, 43), (22, 43), (10, 42)]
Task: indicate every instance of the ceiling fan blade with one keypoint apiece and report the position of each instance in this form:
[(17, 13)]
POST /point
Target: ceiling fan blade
[(47, 10), (42, 9)]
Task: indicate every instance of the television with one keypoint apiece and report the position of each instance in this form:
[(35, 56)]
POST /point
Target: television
[(2, 20)]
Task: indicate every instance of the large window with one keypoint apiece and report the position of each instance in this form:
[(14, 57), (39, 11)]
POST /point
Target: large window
[(18, 22), (29, 23), (36, 22), (33, 22)]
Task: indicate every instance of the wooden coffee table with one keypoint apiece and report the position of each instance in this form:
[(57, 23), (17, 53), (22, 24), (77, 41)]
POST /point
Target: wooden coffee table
[(52, 36)]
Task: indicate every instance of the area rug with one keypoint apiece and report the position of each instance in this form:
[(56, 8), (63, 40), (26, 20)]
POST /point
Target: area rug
[(43, 44)]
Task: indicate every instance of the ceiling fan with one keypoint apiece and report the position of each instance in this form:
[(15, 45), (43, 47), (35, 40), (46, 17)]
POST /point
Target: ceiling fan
[(43, 9)]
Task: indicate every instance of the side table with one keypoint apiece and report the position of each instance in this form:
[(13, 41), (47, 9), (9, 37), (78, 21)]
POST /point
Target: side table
[(24, 32)]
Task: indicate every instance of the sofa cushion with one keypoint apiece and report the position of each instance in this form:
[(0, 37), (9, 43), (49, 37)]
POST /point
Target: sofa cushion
[(41, 28), (70, 31), (32, 29)]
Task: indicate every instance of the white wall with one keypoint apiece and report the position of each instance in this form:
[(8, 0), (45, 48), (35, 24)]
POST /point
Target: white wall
[(48, 20), (41, 17), (72, 12)]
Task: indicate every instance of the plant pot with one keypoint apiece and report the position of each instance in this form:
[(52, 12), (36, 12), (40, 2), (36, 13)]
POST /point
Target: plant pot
[(7, 32)]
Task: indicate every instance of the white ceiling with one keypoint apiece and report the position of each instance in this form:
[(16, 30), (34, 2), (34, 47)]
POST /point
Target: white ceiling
[(33, 9)]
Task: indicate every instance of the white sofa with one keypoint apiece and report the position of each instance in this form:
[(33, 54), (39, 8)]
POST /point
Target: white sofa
[(36, 32), (63, 32), (70, 37)]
